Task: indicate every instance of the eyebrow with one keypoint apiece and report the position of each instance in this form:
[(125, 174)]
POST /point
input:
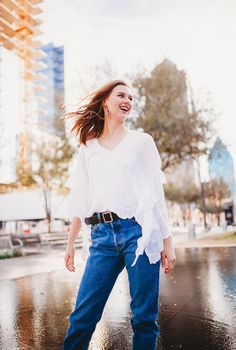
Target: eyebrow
[(121, 92)]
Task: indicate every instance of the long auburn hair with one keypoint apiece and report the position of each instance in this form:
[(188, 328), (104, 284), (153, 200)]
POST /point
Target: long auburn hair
[(88, 120)]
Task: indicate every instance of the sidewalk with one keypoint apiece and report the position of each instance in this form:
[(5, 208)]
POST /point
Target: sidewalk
[(183, 234), (42, 262), (212, 240), (48, 260)]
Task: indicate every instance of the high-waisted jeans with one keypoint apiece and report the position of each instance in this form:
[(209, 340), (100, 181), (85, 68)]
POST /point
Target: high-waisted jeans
[(113, 248)]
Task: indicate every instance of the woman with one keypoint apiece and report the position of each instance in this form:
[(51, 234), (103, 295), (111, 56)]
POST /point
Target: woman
[(117, 198)]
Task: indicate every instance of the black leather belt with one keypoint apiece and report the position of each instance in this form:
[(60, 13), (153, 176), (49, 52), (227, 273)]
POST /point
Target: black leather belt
[(105, 216)]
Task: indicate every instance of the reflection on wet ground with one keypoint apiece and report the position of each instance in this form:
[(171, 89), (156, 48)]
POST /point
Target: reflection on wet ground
[(197, 307)]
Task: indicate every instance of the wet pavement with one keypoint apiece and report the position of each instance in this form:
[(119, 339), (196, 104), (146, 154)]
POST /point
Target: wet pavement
[(197, 306)]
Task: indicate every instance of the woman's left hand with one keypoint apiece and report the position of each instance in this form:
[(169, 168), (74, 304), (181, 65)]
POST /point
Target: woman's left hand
[(168, 257)]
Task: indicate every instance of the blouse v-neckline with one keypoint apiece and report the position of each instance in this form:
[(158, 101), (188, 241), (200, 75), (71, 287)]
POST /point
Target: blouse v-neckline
[(116, 146)]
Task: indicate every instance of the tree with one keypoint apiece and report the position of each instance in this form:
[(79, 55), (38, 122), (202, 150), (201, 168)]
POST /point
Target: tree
[(48, 171), (216, 191), (183, 195), (52, 157), (167, 111), (58, 123), (25, 176)]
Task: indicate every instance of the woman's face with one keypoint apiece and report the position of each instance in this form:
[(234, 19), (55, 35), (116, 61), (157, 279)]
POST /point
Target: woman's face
[(119, 102)]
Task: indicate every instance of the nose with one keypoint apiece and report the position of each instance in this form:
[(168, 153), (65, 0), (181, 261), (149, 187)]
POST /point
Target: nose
[(128, 102)]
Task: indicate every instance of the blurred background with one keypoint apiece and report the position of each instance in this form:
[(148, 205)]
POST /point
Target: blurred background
[(179, 59)]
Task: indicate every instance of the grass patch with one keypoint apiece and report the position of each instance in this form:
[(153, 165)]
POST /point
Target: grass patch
[(7, 255), (227, 236)]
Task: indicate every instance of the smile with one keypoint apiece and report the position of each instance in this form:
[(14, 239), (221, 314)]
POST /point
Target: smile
[(124, 108)]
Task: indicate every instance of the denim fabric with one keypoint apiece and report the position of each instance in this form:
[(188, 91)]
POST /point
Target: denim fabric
[(113, 248)]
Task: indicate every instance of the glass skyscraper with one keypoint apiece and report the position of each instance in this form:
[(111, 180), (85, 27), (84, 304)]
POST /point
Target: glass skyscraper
[(52, 96), (221, 165)]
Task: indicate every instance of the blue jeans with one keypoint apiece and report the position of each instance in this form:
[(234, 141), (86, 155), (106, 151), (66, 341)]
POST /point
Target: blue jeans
[(113, 248)]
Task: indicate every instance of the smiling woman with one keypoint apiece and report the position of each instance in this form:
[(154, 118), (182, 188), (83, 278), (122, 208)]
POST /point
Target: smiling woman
[(117, 197), (89, 119)]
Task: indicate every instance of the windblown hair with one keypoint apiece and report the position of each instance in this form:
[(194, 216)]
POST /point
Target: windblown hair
[(88, 120)]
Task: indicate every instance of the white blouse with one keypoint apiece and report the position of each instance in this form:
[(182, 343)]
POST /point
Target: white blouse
[(126, 180)]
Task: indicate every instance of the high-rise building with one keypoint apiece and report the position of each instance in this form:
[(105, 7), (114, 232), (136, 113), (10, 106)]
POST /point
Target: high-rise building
[(19, 60), (9, 114), (51, 107), (221, 165)]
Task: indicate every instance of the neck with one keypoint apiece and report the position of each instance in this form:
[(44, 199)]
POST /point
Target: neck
[(113, 130)]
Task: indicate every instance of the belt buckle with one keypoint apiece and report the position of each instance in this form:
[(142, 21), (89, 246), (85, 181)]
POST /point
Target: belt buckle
[(103, 215)]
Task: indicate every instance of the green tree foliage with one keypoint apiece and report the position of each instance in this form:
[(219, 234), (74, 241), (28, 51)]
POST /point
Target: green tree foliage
[(216, 191), (167, 112), (52, 157), (182, 194), (51, 162)]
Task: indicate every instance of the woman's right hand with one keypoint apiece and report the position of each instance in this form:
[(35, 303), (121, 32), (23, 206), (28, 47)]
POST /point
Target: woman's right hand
[(69, 257), (70, 249)]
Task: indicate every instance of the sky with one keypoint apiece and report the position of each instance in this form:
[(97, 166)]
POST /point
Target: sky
[(197, 35)]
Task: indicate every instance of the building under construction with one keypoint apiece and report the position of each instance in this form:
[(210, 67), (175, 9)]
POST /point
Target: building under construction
[(19, 51)]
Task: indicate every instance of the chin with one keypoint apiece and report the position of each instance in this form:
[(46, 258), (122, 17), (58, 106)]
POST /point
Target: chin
[(124, 115)]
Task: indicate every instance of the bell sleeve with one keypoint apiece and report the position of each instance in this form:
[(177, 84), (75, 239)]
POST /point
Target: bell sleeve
[(157, 179), (77, 204), (151, 212)]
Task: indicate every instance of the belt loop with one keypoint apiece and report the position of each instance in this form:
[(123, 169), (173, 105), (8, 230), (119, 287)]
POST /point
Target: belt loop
[(99, 217)]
